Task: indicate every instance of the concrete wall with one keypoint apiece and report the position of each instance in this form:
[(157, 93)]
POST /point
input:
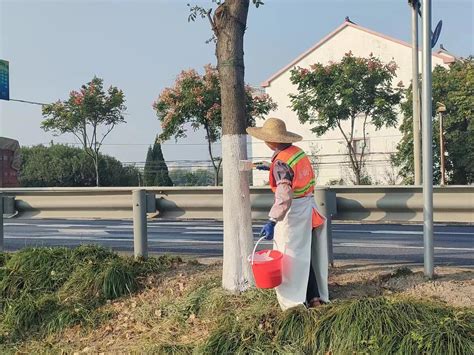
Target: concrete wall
[(330, 147)]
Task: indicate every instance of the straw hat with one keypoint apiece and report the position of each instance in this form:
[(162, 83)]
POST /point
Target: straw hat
[(274, 130)]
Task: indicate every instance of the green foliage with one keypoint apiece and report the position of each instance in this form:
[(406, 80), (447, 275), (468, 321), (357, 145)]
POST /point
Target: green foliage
[(3, 258), (90, 115), (43, 290), (62, 165), (184, 177), (156, 170), (354, 92), (199, 11), (453, 87)]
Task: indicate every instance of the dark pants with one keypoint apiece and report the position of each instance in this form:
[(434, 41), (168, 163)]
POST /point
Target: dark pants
[(312, 290)]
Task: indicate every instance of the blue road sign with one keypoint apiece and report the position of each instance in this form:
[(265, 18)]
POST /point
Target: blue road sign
[(436, 33), (4, 81)]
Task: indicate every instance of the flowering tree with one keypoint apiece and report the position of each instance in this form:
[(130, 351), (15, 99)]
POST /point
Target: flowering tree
[(196, 100), (355, 90), (89, 114)]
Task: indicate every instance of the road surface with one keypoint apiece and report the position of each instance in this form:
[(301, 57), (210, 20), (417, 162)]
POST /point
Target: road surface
[(454, 244)]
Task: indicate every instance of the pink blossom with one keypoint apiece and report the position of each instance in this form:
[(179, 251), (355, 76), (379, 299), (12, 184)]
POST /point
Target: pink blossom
[(392, 67)]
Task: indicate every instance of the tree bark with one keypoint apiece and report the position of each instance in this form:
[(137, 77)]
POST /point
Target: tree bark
[(230, 21), (216, 167), (96, 165)]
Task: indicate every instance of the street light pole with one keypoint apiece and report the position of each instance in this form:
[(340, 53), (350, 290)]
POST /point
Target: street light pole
[(427, 141), (415, 94)]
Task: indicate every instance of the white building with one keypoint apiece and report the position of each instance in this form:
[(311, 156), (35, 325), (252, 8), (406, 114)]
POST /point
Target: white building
[(330, 149)]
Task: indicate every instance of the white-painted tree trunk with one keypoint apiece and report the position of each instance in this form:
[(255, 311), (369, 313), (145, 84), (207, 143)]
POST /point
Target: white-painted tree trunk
[(238, 241)]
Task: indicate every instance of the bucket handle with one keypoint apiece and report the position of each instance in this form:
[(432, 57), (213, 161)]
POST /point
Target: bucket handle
[(255, 248)]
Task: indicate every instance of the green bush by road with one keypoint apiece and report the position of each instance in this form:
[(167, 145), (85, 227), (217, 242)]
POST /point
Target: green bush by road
[(44, 290)]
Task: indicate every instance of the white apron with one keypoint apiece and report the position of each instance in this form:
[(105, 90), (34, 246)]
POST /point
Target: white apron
[(293, 238)]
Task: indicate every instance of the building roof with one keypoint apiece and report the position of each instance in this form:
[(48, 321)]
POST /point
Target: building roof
[(447, 58)]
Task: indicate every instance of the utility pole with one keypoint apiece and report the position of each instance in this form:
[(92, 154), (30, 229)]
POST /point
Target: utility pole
[(427, 141), (415, 92), (441, 109)]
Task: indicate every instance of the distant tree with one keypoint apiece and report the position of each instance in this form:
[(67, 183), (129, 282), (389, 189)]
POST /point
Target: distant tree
[(156, 170), (185, 177), (358, 91), (453, 87), (89, 114), (195, 100), (64, 166)]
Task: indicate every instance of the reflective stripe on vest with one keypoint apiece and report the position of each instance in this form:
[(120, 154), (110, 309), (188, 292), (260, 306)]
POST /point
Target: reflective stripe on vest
[(303, 179)]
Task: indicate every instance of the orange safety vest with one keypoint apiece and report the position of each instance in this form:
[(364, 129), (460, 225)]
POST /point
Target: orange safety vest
[(303, 176)]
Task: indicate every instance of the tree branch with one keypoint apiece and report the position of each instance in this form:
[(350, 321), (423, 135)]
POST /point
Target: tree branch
[(85, 138), (216, 168), (364, 140), (351, 150), (106, 134), (213, 25), (94, 137), (77, 136)]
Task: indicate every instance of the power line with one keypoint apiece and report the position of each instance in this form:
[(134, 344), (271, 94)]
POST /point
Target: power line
[(153, 169), (217, 143), (250, 158), (28, 102)]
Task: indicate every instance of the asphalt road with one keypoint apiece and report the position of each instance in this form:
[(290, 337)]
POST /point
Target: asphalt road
[(454, 244)]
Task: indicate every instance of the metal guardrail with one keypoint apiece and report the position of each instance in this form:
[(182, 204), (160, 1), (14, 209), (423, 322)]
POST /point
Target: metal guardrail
[(361, 203), (452, 204), (404, 203), (204, 202)]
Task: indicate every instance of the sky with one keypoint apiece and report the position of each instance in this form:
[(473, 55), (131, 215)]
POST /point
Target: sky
[(141, 46)]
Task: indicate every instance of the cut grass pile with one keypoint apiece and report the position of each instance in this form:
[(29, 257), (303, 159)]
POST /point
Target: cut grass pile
[(252, 323), (44, 290)]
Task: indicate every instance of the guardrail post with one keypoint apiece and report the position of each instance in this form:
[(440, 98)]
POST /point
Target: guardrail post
[(326, 200), (1, 221), (140, 242)]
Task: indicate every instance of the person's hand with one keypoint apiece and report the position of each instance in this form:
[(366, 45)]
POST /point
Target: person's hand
[(268, 230), (262, 165)]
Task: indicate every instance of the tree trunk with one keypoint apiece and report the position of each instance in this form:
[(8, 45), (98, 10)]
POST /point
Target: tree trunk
[(216, 176), (216, 168), (96, 165), (357, 174), (230, 21)]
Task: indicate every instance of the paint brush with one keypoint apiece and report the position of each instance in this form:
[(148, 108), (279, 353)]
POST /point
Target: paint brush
[(245, 165)]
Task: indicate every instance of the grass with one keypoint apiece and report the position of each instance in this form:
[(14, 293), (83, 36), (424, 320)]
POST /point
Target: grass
[(252, 323), (369, 326), (194, 315), (44, 290)]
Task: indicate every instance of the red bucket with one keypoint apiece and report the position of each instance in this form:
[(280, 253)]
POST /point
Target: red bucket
[(267, 272)]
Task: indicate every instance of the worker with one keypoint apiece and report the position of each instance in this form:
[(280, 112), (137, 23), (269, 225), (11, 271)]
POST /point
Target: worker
[(293, 217)]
